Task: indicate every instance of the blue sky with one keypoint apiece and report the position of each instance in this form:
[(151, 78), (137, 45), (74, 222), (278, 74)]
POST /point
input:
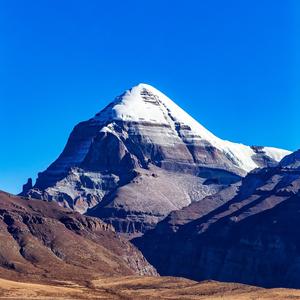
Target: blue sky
[(233, 65)]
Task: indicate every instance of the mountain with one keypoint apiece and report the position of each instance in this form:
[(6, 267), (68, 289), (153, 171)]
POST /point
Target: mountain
[(41, 240), (139, 159), (251, 236)]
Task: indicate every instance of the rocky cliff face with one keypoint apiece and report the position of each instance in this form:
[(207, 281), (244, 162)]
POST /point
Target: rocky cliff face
[(139, 159), (251, 238), (42, 240)]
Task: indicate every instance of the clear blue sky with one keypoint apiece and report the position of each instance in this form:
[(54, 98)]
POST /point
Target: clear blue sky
[(233, 65)]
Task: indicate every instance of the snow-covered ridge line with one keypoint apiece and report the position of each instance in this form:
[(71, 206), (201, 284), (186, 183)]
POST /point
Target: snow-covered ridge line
[(144, 103)]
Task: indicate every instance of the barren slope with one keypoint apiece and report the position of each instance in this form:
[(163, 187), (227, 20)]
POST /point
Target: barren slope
[(42, 240)]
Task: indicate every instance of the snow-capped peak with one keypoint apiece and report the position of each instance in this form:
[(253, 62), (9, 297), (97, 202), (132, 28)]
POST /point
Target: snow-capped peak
[(144, 103)]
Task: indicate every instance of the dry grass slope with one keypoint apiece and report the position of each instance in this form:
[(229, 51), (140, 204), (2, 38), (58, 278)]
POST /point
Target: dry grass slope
[(146, 288)]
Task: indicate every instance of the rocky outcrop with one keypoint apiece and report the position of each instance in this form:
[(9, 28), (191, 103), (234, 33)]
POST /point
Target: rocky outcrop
[(139, 159), (42, 240), (27, 186), (252, 238)]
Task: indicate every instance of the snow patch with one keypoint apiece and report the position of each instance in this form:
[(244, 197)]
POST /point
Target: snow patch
[(275, 153)]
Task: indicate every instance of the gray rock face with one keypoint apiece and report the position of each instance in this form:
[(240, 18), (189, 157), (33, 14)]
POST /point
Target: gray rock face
[(251, 237), (139, 159)]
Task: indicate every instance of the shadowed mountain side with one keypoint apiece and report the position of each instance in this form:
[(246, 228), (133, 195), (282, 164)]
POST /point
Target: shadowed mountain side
[(252, 238)]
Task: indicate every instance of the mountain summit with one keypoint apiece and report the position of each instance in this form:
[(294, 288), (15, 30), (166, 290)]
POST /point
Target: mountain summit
[(141, 157), (144, 103)]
